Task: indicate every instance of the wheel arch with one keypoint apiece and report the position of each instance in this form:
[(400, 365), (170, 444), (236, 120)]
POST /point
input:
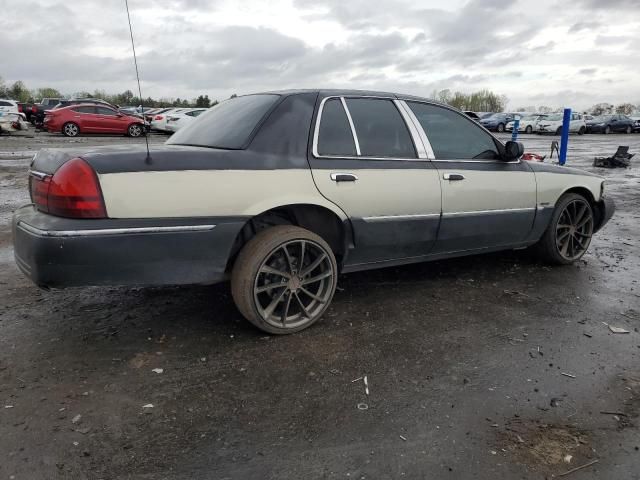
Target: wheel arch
[(333, 226)]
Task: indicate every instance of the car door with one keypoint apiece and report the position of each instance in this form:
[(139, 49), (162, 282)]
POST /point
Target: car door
[(85, 117), (367, 158), (486, 202), (109, 121)]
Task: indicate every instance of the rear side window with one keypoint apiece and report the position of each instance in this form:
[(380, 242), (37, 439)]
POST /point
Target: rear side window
[(84, 109), (227, 125), (4, 104), (380, 129), (452, 135), (335, 137)]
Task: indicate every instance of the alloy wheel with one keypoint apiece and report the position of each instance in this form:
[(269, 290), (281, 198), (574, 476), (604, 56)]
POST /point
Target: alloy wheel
[(71, 129), (294, 284), (574, 229), (135, 130)]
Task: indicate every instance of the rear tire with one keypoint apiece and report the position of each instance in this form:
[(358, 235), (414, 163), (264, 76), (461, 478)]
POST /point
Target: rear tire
[(284, 279), (607, 130), (500, 127), (559, 131), (529, 129), (71, 129), (569, 233), (582, 130)]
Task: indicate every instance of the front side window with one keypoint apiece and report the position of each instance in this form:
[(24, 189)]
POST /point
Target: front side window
[(227, 125), (452, 135), (380, 129), (334, 136)]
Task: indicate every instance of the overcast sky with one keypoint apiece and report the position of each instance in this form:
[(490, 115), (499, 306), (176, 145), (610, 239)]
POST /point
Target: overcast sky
[(536, 52)]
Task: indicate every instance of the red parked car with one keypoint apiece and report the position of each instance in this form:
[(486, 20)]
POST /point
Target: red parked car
[(90, 118)]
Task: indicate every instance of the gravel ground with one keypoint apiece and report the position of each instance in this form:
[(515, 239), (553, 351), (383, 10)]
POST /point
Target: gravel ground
[(481, 367)]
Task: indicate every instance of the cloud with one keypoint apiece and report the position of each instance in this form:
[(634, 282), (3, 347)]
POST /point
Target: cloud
[(218, 47)]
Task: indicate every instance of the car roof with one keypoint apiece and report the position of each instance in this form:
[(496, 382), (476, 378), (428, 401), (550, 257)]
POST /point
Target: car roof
[(87, 104), (329, 92)]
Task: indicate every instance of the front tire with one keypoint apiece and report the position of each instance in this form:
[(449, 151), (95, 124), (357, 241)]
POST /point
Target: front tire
[(628, 130), (71, 129), (500, 127), (134, 130), (607, 130), (529, 129), (582, 131), (284, 279), (569, 233)]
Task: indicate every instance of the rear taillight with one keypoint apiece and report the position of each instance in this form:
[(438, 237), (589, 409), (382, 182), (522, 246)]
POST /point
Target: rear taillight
[(19, 108), (34, 109), (158, 117), (73, 191)]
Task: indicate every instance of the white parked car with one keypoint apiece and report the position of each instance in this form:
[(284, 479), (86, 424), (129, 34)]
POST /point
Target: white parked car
[(281, 192), (528, 123), (553, 124), (159, 121), (176, 121), (8, 106), (13, 123)]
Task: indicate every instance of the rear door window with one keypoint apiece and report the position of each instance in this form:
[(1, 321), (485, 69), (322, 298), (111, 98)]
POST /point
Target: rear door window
[(452, 135), (85, 109), (227, 125), (334, 136), (380, 129)]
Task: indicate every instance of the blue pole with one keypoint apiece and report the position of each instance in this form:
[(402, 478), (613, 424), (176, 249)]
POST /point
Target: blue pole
[(564, 139), (516, 126)]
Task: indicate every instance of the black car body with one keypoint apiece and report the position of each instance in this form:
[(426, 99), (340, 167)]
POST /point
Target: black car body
[(38, 109), (610, 124)]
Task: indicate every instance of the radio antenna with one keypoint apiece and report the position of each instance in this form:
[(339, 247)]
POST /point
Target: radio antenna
[(135, 61)]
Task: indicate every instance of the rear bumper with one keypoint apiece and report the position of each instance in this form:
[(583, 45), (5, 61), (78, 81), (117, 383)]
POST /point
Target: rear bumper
[(60, 252), (605, 209)]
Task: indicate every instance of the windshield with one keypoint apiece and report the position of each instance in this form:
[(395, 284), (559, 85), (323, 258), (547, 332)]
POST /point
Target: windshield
[(554, 118), (228, 124)]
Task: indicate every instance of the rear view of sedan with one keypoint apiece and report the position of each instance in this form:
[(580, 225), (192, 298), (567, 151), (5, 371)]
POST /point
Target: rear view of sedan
[(178, 120), (88, 118)]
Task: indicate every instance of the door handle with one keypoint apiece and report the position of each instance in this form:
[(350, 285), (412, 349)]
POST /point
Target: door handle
[(343, 177), (453, 177)]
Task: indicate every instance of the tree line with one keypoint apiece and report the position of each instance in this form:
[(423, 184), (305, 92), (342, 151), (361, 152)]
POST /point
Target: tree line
[(488, 101), (18, 91)]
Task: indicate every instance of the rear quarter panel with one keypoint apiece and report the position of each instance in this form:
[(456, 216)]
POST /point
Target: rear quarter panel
[(192, 193)]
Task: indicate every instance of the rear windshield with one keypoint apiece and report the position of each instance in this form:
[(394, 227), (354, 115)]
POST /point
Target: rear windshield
[(227, 125)]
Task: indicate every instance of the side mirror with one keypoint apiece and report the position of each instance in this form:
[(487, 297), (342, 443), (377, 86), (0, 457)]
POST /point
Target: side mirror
[(513, 150)]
